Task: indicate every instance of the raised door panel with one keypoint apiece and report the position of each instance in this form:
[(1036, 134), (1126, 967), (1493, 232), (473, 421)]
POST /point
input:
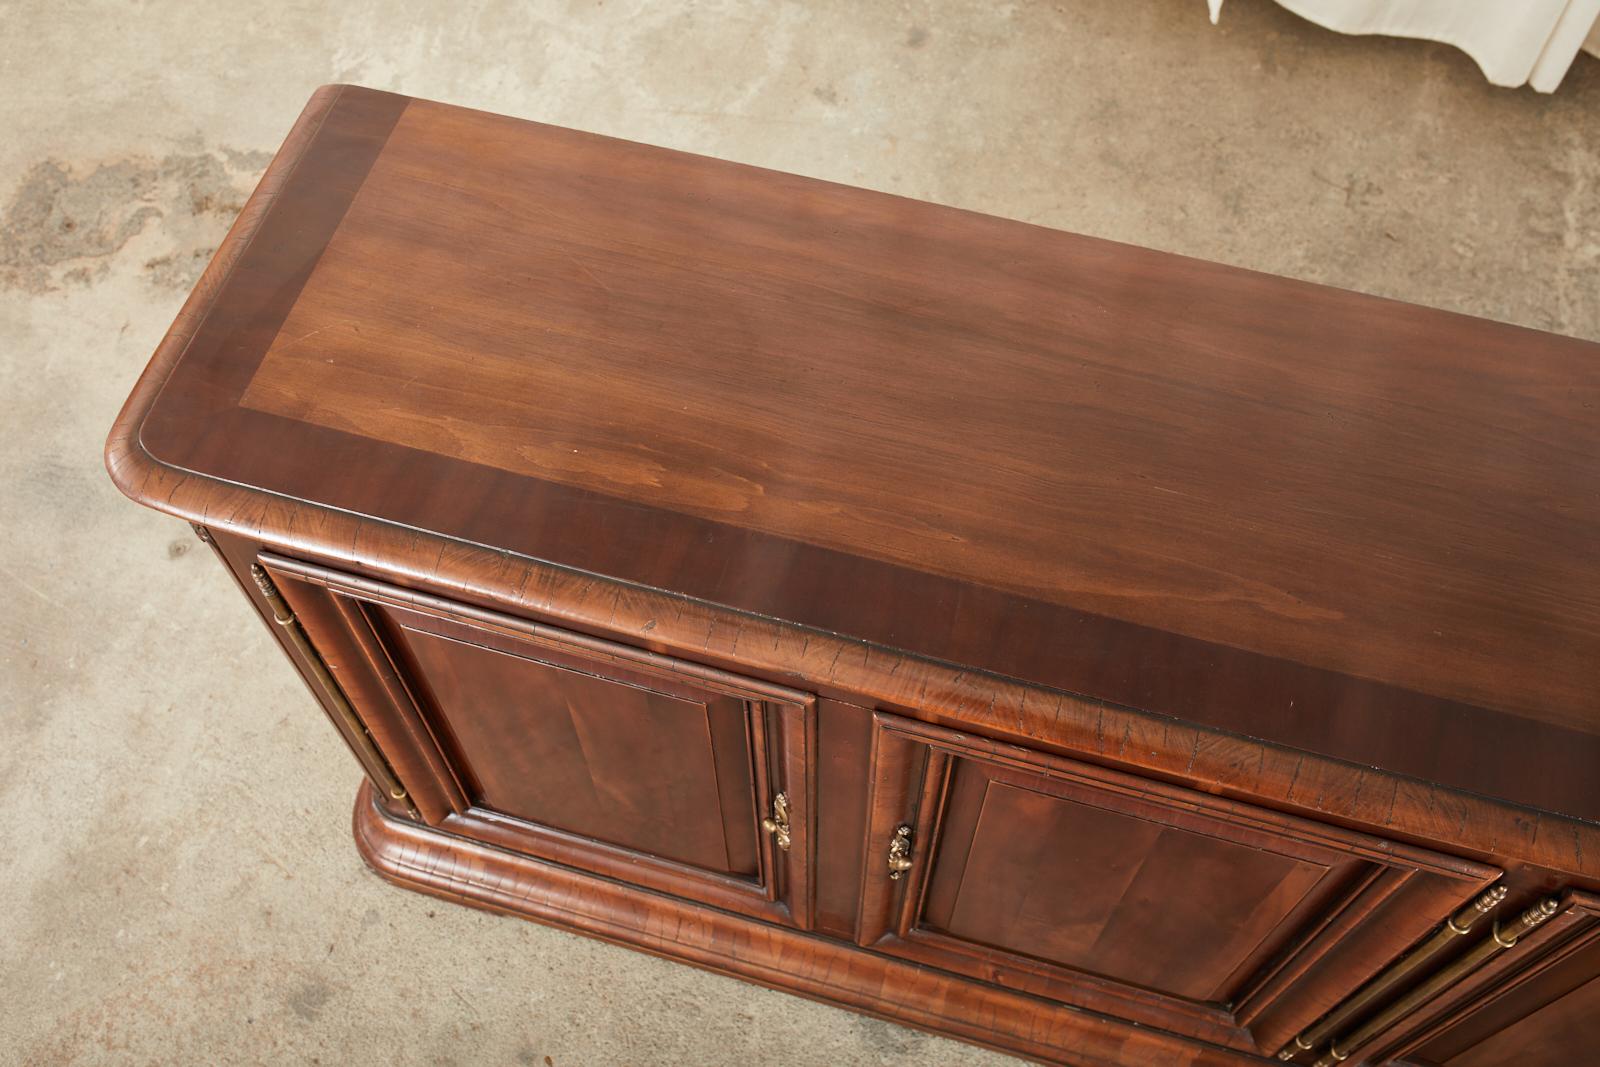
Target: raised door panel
[(571, 748), (1136, 898), (1024, 845), (631, 763)]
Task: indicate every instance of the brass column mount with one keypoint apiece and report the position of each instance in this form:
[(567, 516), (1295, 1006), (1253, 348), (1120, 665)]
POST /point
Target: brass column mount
[(1500, 939), (777, 824), (354, 730), (900, 852), (1457, 925)]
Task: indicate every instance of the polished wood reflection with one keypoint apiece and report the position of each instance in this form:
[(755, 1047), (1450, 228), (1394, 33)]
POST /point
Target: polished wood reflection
[(1097, 654), (1342, 523)]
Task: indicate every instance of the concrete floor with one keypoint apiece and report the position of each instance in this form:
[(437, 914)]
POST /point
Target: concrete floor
[(177, 882)]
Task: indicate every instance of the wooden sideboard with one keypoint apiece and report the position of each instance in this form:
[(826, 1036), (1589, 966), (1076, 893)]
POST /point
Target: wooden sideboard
[(1088, 652)]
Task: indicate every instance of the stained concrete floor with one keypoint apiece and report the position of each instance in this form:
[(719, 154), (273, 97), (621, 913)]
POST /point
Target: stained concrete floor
[(177, 883)]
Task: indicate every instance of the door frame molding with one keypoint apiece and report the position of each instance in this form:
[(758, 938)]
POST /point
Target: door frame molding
[(1401, 893), (336, 608)]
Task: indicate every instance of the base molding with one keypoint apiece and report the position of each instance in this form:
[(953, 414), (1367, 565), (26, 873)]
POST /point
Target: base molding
[(418, 857)]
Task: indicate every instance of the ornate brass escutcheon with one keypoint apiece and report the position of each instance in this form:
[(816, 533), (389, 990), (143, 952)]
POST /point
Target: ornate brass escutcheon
[(777, 824), (900, 852)]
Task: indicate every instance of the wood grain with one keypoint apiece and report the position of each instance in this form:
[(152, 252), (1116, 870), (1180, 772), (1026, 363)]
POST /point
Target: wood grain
[(1136, 435), (1338, 523), (1116, 895), (621, 763), (1144, 901), (1217, 634), (581, 751)]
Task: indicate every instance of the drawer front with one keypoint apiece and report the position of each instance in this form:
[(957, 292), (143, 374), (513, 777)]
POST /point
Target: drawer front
[(581, 751), (1140, 899)]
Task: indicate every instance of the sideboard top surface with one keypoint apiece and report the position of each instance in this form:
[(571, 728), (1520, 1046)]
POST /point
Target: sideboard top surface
[(1333, 521)]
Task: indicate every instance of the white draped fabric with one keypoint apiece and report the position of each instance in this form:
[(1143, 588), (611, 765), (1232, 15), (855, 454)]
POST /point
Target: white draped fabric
[(1516, 42)]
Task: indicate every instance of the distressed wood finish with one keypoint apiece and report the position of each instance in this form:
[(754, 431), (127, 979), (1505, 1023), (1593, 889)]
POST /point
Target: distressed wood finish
[(1215, 636)]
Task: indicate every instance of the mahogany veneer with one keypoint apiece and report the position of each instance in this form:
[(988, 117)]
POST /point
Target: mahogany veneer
[(1100, 655)]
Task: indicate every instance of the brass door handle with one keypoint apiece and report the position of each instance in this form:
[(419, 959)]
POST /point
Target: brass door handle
[(777, 824), (900, 852)]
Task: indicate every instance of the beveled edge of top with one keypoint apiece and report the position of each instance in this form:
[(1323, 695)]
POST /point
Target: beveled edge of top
[(127, 461)]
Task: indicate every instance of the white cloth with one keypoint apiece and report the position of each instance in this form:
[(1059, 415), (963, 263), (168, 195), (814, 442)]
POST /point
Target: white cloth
[(1515, 42)]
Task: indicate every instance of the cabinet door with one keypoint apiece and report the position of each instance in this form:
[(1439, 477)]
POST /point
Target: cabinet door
[(1140, 899), (574, 749)]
